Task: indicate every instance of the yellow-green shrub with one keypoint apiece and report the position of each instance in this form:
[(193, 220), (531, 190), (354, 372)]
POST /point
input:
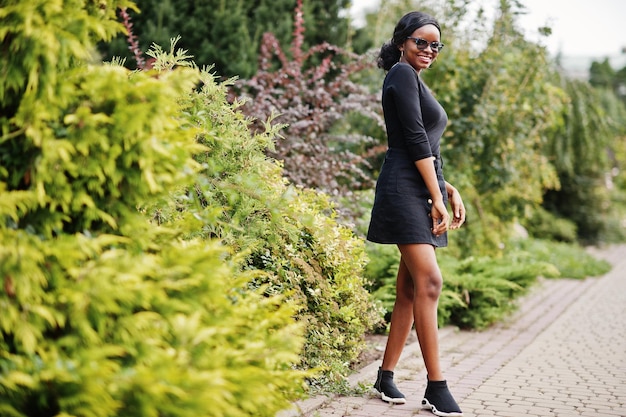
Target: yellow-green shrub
[(103, 312), (289, 232)]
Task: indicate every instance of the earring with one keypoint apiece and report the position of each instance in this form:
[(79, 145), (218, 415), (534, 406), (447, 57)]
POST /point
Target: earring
[(401, 55)]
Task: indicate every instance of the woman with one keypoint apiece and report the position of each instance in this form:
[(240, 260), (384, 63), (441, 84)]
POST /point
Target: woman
[(410, 204)]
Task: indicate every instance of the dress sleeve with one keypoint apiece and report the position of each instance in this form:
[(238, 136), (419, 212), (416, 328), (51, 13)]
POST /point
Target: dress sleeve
[(406, 97)]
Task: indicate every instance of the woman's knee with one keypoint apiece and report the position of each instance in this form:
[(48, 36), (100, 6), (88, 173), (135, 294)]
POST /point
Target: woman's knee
[(430, 285)]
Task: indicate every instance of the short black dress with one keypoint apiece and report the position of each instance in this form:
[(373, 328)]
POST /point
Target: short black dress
[(415, 122)]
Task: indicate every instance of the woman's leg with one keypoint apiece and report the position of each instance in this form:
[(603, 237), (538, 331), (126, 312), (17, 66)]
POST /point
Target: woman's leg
[(401, 318), (421, 263), (401, 322)]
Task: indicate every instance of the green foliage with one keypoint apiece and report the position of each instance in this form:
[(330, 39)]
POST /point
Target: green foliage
[(584, 130), (581, 149), (29, 60), (146, 341), (543, 224), (500, 103), (603, 77), (521, 137), (615, 230), (226, 34), (381, 273), (571, 260), (290, 233), (601, 74), (488, 286), (105, 313)]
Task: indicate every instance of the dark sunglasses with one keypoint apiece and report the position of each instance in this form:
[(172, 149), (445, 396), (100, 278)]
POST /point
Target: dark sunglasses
[(423, 44)]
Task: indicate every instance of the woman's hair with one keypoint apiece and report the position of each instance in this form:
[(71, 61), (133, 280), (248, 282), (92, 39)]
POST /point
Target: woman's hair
[(389, 52)]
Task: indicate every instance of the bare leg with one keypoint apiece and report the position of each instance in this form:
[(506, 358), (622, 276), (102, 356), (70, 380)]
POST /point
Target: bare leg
[(401, 318), (421, 262), (418, 287), (401, 322)]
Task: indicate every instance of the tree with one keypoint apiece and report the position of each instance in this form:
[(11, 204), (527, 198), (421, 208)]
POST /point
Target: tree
[(226, 34), (500, 101), (601, 74), (582, 149)]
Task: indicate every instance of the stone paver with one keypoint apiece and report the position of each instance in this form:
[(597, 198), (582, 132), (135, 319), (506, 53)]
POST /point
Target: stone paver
[(562, 354)]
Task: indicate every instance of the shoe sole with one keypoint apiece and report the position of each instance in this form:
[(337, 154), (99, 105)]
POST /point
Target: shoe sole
[(428, 406), (390, 399)]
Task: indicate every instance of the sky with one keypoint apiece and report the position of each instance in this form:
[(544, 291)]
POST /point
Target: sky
[(579, 27)]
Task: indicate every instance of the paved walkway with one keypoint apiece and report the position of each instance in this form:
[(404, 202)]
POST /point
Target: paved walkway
[(562, 354)]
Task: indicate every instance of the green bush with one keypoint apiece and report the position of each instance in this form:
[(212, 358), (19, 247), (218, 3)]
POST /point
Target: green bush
[(289, 232), (570, 259), (544, 224), (117, 227), (381, 273), (105, 313), (480, 291), (583, 147), (487, 287)]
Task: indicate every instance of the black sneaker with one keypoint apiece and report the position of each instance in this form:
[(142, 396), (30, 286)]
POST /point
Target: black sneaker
[(439, 400), (387, 388)]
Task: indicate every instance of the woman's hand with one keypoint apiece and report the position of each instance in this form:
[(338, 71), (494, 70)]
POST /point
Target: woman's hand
[(441, 218), (458, 208)]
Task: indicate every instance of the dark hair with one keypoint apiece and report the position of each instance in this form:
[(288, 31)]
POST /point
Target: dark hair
[(389, 52)]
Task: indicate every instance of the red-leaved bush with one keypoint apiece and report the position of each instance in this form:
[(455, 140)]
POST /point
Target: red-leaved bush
[(311, 93)]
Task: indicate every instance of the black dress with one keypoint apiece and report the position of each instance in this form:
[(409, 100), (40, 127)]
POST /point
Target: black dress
[(415, 122)]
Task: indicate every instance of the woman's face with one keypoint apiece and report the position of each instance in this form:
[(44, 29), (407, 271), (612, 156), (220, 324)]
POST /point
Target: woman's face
[(415, 56)]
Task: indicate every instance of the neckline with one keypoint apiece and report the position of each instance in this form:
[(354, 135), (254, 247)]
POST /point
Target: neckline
[(409, 65)]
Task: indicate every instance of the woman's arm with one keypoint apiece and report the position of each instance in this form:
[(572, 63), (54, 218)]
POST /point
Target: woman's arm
[(439, 213), (404, 90), (458, 208)]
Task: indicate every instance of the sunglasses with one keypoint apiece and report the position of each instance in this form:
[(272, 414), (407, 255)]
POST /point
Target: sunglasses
[(423, 44)]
